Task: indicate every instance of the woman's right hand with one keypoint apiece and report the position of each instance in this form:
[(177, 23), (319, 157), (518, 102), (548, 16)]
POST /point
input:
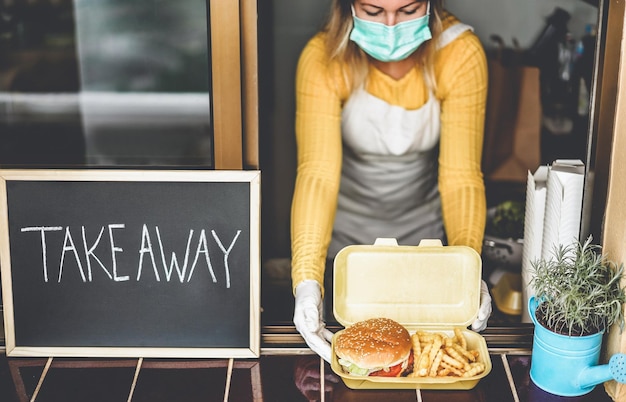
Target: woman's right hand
[(307, 318)]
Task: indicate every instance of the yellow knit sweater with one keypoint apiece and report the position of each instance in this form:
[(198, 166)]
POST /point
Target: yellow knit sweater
[(461, 75)]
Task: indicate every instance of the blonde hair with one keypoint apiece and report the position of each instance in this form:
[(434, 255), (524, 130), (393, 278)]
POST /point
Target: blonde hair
[(354, 61)]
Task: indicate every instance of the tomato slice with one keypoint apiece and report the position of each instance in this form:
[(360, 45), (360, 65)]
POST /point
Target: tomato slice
[(394, 371)]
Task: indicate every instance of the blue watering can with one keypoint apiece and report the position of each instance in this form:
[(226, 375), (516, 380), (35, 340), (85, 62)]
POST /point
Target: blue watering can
[(568, 365)]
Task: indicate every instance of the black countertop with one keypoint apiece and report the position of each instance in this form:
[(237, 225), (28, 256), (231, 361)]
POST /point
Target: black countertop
[(289, 377)]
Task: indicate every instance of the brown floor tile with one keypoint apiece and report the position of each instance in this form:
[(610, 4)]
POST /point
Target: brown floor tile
[(278, 375), (7, 387), (93, 385), (180, 385)]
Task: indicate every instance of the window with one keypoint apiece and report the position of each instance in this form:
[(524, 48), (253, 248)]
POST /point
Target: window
[(120, 83)]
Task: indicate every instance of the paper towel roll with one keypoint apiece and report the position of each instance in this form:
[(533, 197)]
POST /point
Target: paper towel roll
[(552, 217), (533, 231), (563, 205)]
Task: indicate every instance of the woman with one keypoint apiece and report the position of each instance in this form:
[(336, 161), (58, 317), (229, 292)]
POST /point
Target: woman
[(389, 126)]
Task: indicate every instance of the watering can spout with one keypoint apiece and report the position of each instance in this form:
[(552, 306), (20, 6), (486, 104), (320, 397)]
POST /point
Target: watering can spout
[(594, 375), (614, 370)]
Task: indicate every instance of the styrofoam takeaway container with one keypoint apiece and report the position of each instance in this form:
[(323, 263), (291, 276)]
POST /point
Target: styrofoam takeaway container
[(429, 287)]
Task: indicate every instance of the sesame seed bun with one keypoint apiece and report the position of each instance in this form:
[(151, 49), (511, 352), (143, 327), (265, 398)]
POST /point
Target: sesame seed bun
[(374, 343)]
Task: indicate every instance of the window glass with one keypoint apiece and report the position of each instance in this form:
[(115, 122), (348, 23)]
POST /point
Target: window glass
[(105, 83)]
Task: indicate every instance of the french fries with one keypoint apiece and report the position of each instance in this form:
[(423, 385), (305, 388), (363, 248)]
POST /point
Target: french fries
[(420, 369), (439, 355)]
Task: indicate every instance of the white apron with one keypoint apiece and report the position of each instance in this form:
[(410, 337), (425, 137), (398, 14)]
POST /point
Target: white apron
[(389, 170)]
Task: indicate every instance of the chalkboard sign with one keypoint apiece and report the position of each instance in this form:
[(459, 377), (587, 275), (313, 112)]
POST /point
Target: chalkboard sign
[(111, 263)]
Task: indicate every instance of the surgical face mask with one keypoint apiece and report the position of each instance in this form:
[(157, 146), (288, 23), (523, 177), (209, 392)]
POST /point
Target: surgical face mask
[(390, 43)]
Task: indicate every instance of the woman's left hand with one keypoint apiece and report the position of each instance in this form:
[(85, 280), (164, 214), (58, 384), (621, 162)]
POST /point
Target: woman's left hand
[(484, 311)]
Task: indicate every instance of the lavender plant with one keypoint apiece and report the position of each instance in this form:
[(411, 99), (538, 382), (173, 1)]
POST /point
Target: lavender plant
[(579, 290)]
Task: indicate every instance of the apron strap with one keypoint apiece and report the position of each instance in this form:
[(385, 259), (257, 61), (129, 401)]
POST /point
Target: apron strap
[(451, 33)]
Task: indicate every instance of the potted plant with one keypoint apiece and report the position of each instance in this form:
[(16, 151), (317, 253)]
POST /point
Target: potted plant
[(578, 296)]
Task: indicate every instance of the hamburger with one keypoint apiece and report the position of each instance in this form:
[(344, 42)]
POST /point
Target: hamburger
[(375, 347)]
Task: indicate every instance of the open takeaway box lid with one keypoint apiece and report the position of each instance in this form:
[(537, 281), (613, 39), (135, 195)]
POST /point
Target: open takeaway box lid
[(429, 287)]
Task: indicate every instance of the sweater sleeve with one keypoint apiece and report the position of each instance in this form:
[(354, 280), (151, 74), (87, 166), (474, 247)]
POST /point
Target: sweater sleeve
[(318, 139), (462, 89)]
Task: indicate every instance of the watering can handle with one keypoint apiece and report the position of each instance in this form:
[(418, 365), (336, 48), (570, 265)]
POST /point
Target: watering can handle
[(533, 303)]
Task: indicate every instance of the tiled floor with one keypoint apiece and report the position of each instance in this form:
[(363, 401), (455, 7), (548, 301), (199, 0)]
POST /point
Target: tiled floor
[(278, 378)]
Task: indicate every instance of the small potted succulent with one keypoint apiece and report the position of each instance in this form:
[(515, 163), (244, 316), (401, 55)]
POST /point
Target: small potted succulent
[(578, 297)]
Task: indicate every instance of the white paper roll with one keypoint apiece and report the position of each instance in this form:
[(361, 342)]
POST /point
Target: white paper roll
[(563, 205), (533, 231)]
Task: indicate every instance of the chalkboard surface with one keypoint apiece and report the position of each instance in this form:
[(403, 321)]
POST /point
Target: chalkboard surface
[(127, 263)]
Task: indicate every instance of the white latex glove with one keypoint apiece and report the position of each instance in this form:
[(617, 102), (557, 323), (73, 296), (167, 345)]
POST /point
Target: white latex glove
[(484, 311), (307, 317)]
